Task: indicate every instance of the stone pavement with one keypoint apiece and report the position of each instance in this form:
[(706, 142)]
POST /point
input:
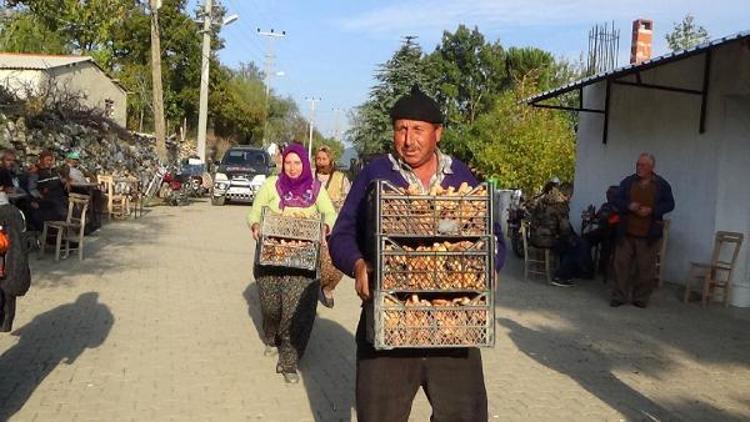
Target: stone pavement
[(160, 323)]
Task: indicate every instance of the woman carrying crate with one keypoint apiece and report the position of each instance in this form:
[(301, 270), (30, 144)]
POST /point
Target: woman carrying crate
[(288, 296)]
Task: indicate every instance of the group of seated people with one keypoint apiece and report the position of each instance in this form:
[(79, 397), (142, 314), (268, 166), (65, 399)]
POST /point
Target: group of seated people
[(551, 229), (42, 186)]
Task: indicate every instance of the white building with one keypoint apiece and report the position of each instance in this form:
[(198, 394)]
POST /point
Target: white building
[(28, 73), (691, 109)]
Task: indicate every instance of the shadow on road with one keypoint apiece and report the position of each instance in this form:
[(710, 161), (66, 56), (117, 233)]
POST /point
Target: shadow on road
[(574, 332), (586, 366), (327, 368), (57, 336), (106, 251)]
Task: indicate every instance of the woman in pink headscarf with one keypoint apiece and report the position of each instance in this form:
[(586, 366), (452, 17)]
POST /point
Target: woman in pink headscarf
[(288, 297)]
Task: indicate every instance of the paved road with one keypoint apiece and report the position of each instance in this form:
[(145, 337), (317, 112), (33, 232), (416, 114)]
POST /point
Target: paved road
[(160, 323)]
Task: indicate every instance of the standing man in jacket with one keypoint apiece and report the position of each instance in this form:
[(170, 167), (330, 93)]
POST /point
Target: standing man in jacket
[(387, 381), (643, 199)]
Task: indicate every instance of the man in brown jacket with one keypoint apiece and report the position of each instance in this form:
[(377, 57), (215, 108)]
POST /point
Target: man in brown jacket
[(644, 198)]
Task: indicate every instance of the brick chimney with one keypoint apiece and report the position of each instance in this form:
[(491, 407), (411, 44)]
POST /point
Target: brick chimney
[(643, 34)]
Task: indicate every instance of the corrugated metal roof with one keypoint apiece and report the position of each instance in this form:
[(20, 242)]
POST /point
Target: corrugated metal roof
[(633, 68), (38, 61)]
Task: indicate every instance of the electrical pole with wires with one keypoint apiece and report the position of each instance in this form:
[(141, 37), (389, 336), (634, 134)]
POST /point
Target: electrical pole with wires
[(268, 69), (312, 101), (208, 14), (205, 63), (157, 89)]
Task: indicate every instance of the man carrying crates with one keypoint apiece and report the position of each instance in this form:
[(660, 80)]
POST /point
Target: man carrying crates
[(452, 375)]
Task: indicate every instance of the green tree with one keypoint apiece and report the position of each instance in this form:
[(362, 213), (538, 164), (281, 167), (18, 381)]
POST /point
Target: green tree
[(468, 72), (686, 34), (525, 62), (370, 123), (21, 32), (236, 105), (87, 25), (520, 145)]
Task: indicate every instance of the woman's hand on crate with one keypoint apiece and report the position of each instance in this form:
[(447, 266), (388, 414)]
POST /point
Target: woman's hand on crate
[(255, 228), (362, 279)]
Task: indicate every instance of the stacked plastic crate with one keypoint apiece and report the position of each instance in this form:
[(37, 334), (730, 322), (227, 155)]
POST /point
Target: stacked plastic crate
[(289, 241), (434, 268)]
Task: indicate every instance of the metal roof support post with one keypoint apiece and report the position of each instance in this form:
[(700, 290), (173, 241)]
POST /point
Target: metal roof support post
[(607, 94), (704, 96), (580, 98)]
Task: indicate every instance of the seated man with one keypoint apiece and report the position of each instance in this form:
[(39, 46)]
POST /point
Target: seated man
[(8, 172), (71, 171), (14, 181), (50, 202), (551, 229), (550, 224), (606, 220)]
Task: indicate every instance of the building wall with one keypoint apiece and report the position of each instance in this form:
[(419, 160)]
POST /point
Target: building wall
[(703, 169), (733, 189), (95, 85), (20, 82)]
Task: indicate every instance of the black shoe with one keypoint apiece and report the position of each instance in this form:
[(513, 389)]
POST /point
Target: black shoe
[(615, 303), (326, 300), (640, 304), (562, 282)]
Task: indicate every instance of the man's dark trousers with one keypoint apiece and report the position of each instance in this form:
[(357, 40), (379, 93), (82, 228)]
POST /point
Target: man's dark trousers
[(7, 311), (635, 269), (388, 381)]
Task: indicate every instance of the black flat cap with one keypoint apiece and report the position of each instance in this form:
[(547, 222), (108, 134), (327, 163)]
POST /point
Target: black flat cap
[(417, 106)]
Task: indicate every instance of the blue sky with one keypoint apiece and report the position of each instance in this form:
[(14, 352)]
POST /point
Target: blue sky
[(333, 46)]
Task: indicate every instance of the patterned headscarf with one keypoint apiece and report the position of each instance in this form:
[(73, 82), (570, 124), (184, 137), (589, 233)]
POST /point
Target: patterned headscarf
[(302, 191)]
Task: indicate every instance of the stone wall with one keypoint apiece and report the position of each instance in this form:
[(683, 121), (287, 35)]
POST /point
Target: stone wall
[(104, 147)]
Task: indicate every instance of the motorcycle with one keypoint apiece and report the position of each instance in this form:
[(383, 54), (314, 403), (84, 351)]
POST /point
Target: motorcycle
[(516, 214), (174, 188), (195, 169)]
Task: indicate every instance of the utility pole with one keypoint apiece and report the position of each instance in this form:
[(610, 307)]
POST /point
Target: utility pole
[(268, 69), (336, 126), (208, 9), (157, 89), (312, 101), (205, 63)]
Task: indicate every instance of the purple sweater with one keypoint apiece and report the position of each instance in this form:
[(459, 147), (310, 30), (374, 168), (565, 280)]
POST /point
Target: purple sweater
[(347, 241)]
